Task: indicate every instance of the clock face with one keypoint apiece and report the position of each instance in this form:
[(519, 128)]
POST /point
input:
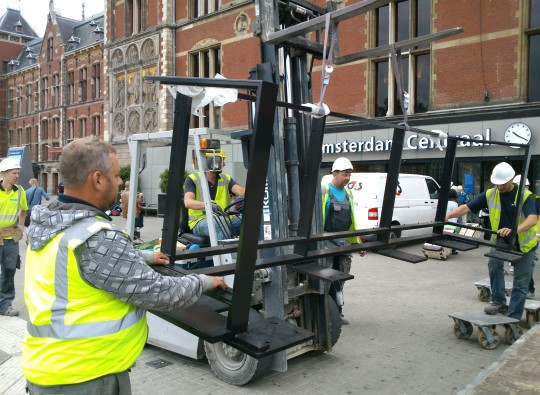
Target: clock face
[(518, 133)]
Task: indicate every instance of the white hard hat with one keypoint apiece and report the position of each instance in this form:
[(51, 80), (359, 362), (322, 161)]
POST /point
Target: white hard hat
[(9, 164), (341, 164), (502, 173), (517, 180)]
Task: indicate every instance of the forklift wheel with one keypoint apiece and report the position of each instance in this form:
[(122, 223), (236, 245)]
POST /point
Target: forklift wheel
[(233, 366)]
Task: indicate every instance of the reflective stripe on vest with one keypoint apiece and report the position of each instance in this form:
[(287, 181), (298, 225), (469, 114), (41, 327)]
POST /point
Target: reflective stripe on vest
[(76, 332), (223, 198), (527, 239), (58, 329), (8, 219)]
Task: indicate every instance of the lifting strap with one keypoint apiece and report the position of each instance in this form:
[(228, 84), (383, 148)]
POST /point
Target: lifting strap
[(330, 30)]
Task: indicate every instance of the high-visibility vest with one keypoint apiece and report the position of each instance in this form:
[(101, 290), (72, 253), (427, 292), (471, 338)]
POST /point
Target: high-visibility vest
[(327, 195), (527, 239), (223, 197), (75, 331), (10, 204)]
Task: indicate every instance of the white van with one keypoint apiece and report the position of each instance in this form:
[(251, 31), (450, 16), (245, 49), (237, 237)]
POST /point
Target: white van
[(416, 200)]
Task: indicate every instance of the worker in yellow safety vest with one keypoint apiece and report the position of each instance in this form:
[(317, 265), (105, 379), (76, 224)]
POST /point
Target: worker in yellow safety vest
[(502, 202), (87, 288), (221, 187), (338, 216), (13, 208)]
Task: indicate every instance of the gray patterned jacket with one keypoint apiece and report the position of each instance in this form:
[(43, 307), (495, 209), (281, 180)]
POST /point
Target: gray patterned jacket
[(108, 261)]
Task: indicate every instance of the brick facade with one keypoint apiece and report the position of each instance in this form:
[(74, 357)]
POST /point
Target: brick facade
[(484, 67), (55, 91)]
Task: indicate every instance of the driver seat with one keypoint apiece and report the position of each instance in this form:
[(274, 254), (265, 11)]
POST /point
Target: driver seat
[(184, 233)]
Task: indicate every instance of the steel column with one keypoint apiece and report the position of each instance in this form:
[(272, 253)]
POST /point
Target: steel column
[(177, 165), (265, 109), (392, 178)]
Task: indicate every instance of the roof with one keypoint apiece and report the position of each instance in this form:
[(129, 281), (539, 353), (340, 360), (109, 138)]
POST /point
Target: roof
[(84, 32), (75, 35), (26, 57), (10, 19)]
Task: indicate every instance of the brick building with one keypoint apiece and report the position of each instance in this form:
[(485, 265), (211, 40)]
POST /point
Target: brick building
[(476, 84), (15, 34), (55, 92)]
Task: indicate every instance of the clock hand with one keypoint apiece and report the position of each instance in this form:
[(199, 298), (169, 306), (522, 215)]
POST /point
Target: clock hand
[(521, 137)]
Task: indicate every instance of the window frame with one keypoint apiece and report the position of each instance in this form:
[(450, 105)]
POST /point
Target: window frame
[(200, 8), (390, 29), (82, 93), (530, 33), (199, 67), (96, 81)]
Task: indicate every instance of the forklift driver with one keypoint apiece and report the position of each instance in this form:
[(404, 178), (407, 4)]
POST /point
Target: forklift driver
[(221, 187)]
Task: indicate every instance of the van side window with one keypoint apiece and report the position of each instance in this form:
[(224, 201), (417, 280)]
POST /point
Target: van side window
[(433, 188)]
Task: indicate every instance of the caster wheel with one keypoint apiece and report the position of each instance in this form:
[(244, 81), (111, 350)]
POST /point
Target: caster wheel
[(482, 339), (484, 294), (531, 320), (463, 335), (510, 336)]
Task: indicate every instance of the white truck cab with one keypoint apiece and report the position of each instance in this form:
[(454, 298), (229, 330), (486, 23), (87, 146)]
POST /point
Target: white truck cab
[(416, 200)]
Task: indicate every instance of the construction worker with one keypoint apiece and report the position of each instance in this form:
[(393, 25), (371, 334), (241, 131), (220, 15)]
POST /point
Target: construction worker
[(338, 216), (13, 208), (221, 187), (502, 202), (87, 287)]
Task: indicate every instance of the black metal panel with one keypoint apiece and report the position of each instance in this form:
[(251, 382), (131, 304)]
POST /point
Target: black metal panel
[(521, 190), (405, 45), (309, 182), (402, 255), (265, 109), (448, 167), (456, 245), (505, 255), (392, 178), (177, 164), (269, 336), (322, 273), (200, 320), (206, 82)]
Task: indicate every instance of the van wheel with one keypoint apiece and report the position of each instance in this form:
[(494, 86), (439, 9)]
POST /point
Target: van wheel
[(394, 234)]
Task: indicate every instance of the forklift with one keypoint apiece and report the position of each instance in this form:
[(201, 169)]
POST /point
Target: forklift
[(278, 304)]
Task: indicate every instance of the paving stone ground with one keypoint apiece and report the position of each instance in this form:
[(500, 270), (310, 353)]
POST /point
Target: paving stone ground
[(399, 341)]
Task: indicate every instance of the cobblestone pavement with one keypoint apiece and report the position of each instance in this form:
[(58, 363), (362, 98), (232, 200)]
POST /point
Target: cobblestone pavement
[(399, 340)]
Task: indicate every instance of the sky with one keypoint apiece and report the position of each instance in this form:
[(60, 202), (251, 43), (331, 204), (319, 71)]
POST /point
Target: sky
[(35, 11)]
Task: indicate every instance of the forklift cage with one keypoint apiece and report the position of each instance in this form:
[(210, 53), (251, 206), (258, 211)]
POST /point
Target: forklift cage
[(268, 336)]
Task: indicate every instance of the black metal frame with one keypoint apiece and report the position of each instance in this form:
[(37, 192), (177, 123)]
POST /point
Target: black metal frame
[(205, 318)]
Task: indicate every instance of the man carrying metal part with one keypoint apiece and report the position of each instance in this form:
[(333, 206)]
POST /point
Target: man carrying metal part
[(502, 202)]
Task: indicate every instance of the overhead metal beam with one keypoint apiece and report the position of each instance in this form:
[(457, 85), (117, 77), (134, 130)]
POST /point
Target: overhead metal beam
[(309, 46), (320, 21), (400, 45)]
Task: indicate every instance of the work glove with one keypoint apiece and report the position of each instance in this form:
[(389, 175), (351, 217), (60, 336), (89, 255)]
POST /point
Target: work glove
[(216, 208)]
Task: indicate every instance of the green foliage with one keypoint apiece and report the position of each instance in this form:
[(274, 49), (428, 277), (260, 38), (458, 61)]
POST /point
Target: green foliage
[(164, 180), (125, 172)]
